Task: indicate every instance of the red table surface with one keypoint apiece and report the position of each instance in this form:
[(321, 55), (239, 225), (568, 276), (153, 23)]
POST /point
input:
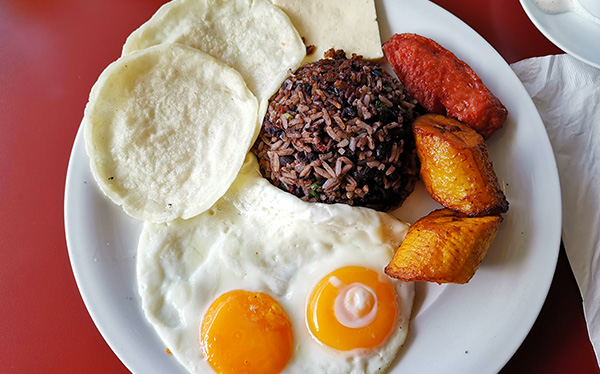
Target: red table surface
[(51, 52)]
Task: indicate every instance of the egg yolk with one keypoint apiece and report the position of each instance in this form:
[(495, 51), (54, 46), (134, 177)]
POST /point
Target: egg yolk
[(246, 332), (352, 308)]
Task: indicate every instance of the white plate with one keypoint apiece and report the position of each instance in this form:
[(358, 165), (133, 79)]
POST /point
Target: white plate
[(575, 32), (473, 328)]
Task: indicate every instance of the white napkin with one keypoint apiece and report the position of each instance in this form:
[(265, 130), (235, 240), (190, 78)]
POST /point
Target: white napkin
[(566, 92)]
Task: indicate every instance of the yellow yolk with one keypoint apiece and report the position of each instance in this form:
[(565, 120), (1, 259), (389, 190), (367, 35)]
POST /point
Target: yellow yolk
[(246, 332), (352, 308)]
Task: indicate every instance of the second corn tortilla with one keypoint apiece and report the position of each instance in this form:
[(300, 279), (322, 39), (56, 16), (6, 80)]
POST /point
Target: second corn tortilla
[(253, 36)]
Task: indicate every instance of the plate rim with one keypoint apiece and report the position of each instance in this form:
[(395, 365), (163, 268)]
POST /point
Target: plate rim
[(98, 322)]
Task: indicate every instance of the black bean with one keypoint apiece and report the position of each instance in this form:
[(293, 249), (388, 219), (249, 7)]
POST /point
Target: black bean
[(382, 151), (376, 73), (312, 156), (274, 131), (287, 159), (397, 133), (348, 112), (359, 174)]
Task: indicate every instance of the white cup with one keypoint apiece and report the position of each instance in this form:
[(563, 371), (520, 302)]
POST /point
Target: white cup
[(591, 6)]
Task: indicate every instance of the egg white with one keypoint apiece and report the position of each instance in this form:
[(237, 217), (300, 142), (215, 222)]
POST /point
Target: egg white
[(259, 238)]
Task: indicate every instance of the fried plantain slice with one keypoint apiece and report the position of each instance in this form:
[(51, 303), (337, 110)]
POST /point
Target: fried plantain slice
[(456, 168), (443, 247)]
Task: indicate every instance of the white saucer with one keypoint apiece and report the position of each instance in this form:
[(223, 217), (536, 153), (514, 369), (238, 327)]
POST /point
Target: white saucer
[(576, 33)]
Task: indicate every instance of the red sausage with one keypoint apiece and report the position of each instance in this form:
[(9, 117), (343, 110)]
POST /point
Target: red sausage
[(443, 84)]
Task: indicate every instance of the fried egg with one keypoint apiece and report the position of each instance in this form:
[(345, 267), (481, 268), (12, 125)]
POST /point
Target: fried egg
[(265, 280)]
